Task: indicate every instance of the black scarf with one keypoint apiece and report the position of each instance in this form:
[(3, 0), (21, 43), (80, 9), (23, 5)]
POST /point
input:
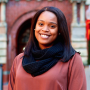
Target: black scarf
[(41, 61)]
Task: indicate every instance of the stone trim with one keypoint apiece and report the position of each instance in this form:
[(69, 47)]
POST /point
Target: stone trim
[(40, 0), (3, 34), (3, 1), (3, 12), (87, 2), (78, 31), (78, 1), (74, 19), (82, 13), (6, 72), (2, 60)]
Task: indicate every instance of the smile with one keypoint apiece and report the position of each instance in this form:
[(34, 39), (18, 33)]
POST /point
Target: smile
[(44, 36)]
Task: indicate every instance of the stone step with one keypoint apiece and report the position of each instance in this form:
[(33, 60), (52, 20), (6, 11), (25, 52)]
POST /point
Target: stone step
[(79, 44)]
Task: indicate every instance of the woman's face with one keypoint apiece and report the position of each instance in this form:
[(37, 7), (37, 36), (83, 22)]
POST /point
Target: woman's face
[(46, 29)]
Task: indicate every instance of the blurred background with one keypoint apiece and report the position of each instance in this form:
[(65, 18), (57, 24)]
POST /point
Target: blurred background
[(15, 22)]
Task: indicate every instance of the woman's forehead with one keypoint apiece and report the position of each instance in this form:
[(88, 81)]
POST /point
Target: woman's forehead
[(47, 16)]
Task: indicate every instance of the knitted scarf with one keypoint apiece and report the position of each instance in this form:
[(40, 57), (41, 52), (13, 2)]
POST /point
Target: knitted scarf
[(41, 61)]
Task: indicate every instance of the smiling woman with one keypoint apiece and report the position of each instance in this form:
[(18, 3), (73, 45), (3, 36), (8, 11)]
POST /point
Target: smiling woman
[(49, 62), (46, 30)]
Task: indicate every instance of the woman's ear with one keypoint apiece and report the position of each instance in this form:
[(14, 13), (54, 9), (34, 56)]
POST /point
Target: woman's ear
[(58, 33)]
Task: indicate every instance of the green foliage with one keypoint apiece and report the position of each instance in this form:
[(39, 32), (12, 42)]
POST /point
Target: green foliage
[(89, 52)]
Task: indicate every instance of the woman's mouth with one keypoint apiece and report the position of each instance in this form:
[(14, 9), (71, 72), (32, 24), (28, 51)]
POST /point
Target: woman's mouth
[(44, 36)]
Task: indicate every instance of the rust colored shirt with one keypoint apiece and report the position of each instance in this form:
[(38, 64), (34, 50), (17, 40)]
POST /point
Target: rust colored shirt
[(62, 76)]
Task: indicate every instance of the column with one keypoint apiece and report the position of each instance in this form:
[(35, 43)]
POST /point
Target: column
[(82, 13), (3, 34), (3, 10), (74, 6), (78, 39)]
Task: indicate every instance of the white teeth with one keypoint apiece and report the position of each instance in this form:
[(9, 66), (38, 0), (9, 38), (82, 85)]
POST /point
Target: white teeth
[(44, 36)]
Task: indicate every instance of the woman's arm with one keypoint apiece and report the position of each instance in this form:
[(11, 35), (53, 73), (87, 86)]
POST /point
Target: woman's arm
[(12, 76), (77, 78)]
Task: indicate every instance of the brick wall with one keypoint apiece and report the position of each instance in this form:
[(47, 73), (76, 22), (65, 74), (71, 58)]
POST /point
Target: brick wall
[(15, 10)]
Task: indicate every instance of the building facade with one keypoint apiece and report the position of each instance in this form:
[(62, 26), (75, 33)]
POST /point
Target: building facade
[(15, 21)]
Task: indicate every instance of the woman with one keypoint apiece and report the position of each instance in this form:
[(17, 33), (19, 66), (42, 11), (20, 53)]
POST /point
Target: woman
[(49, 62)]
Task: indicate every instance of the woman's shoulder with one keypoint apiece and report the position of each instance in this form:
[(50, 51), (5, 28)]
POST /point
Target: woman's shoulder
[(76, 60), (18, 58), (77, 57)]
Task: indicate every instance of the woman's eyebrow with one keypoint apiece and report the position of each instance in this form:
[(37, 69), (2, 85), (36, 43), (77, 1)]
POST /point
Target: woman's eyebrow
[(50, 22), (53, 23)]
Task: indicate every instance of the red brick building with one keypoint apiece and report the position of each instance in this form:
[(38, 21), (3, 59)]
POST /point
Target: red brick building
[(15, 24)]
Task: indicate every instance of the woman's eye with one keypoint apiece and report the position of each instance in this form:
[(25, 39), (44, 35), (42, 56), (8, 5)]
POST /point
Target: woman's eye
[(52, 26), (41, 24)]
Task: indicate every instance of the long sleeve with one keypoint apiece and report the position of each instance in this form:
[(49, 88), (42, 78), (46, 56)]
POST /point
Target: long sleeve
[(12, 76), (77, 78)]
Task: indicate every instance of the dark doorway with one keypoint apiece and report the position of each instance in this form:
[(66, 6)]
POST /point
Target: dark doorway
[(23, 36)]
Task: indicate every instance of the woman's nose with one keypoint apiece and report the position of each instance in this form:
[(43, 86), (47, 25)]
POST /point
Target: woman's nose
[(45, 28)]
